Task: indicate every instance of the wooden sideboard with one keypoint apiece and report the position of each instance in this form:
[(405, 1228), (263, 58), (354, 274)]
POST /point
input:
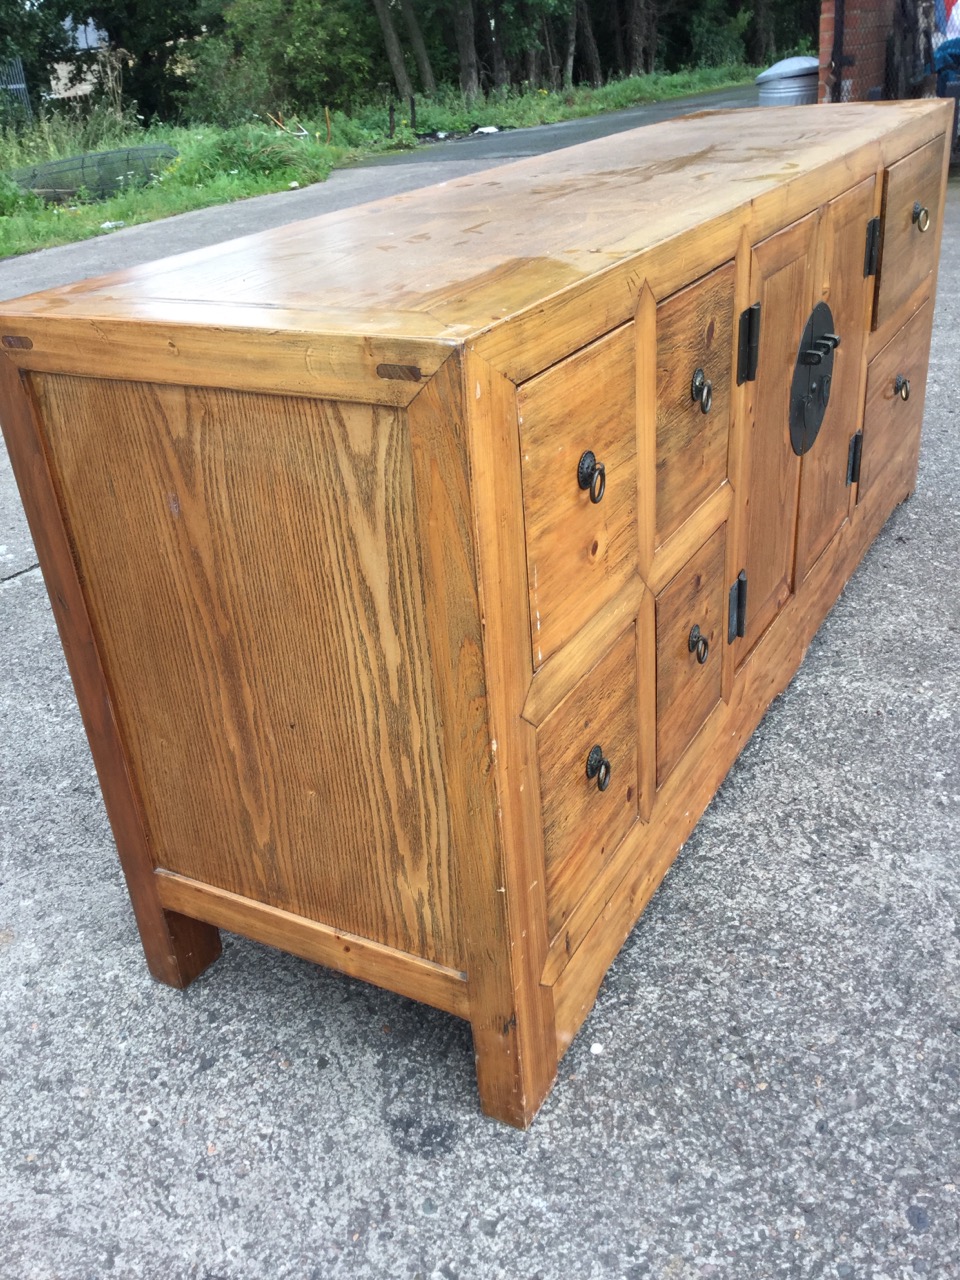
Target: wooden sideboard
[(422, 568)]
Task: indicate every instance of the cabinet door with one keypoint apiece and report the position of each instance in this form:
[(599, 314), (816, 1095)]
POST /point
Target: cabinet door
[(781, 280), (824, 492)]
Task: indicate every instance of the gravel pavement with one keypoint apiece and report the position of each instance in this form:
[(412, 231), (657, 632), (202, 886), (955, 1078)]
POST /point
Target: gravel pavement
[(769, 1085)]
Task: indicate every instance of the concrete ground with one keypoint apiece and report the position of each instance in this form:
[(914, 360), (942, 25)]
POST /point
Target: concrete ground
[(769, 1085)]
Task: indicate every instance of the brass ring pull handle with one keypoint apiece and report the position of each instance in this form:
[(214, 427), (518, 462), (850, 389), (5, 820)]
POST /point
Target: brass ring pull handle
[(921, 217), (598, 766), (592, 475), (698, 643), (902, 387), (702, 389)]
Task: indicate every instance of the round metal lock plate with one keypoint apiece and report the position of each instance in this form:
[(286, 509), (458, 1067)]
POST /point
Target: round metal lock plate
[(812, 379)]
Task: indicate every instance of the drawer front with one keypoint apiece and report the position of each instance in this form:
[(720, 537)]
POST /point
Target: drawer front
[(910, 235), (694, 332), (690, 635), (580, 552), (891, 423), (582, 823)]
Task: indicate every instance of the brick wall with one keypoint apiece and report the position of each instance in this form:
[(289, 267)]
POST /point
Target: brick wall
[(866, 25)]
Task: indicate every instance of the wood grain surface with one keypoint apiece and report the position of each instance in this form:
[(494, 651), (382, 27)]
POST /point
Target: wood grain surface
[(579, 553), (907, 254), (177, 948), (253, 570), (686, 689), (694, 331), (583, 825), (781, 280), (825, 497), (891, 425), (511, 1013)]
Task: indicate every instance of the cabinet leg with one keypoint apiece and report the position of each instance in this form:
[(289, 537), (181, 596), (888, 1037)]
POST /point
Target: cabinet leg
[(179, 949), (515, 1071)]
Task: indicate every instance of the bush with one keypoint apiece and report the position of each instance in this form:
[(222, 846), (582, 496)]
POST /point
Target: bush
[(13, 199), (253, 151)]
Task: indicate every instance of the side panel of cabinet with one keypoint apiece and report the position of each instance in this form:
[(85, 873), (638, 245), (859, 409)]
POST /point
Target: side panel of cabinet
[(824, 492), (781, 280)]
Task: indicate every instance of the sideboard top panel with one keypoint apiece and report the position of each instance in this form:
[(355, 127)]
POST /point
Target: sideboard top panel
[(446, 262)]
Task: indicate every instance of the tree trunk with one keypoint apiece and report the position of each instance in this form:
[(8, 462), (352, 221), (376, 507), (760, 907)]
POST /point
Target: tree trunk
[(636, 36), (394, 52), (764, 47), (465, 30), (553, 69), (618, 44), (497, 27), (533, 58), (424, 66), (571, 45), (588, 41)]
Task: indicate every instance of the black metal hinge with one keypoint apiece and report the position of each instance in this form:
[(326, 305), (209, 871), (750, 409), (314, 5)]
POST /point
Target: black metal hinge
[(871, 255), (853, 458), (737, 616), (749, 347)]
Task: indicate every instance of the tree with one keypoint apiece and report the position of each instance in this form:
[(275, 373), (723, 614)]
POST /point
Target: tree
[(464, 23), (391, 42), (152, 33), (35, 34), (424, 65)]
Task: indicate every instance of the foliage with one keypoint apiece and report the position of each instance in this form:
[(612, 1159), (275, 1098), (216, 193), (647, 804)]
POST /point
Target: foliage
[(716, 36), (282, 55), (227, 62), (33, 32), (254, 151), (14, 200), (152, 34)]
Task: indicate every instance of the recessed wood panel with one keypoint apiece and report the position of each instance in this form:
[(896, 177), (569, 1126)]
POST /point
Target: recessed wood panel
[(252, 570), (579, 553), (908, 254), (583, 825), (687, 689), (891, 425), (694, 331), (824, 493)]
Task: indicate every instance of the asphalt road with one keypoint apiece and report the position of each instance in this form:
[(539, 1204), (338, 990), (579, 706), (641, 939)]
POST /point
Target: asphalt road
[(767, 1089)]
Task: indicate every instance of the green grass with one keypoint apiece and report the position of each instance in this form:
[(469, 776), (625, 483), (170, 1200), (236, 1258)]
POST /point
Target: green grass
[(216, 166)]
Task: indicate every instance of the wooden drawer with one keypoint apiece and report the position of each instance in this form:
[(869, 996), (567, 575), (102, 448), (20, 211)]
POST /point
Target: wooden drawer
[(579, 552), (891, 424), (694, 332), (908, 252), (582, 824), (688, 675)]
